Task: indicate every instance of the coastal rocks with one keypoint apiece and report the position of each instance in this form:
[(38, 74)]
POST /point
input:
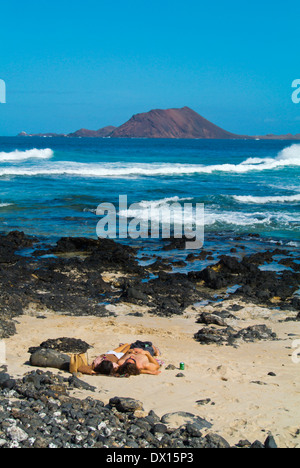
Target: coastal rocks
[(231, 337), (7, 328), (126, 405), (75, 277), (181, 418), (39, 412), (100, 253), (253, 283), (64, 345), (215, 336), (166, 295), (12, 242), (211, 319), (44, 357), (215, 441)]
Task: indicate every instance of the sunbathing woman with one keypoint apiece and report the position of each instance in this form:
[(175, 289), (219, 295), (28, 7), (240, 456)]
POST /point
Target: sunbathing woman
[(106, 363)]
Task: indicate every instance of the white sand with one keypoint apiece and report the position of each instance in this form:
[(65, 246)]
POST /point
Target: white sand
[(242, 409)]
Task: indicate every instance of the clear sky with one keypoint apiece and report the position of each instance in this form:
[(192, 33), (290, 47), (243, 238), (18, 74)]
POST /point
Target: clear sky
[(72, 64)]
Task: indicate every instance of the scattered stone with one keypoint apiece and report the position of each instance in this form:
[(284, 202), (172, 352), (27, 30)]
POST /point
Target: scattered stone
[(215, 441), (211, 319), (270, 442), (229, 336), (181, 418), (44, 357), (206, 401), (126, 405), (170, 367), (243, 444), (257, 445)]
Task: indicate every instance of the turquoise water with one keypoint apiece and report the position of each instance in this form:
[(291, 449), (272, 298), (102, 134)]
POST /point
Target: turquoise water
[(52, 186)]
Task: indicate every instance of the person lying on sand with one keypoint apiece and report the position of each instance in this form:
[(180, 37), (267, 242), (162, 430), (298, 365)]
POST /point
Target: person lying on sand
[(105, 363), (132, 359), (138, 361)]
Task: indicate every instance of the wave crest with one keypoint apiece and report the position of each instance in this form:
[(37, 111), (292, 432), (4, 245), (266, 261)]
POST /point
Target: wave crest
[(15, 156), (268, 199), (288, 157)]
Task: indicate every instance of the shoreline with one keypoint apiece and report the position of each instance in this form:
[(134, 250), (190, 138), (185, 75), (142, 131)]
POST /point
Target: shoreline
[(247, 389)]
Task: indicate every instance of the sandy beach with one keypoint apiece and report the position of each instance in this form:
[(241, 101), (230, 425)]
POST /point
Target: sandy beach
[(243, 400)]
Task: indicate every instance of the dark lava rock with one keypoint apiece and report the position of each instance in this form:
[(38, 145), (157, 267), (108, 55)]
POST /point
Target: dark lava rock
[(189, 418), (167, 295), (7, 328), (38, 412), (270, 442), (255, 284), (126, 405), (229, 336), (65, 345), (44, 357), (75, 382), (215, 441), (211, 319)]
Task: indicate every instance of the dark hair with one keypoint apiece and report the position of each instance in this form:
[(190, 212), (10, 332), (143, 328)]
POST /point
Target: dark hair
[(105, 367), (128, 368)]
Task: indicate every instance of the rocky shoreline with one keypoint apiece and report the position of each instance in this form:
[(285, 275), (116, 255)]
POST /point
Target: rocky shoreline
[(37, 411), (83, 277), (80, 276)]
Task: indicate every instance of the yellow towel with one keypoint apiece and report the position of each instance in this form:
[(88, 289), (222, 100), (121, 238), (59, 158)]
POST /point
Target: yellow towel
[(77, 361)]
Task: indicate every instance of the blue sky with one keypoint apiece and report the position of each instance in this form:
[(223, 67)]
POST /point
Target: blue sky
[(73, 64)]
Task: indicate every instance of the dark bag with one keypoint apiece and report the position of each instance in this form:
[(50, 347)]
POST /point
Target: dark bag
[(146, 345)]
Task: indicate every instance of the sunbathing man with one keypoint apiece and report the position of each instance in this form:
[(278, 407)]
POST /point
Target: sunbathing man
[(138, 361)]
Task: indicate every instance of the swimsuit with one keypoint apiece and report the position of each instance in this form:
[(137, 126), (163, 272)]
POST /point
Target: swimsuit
[(118, 355)]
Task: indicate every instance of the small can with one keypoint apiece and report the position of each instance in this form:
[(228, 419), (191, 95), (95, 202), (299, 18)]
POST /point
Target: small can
[(181, 365)]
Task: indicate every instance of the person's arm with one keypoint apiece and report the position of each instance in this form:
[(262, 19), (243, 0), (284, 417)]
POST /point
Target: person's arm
[(151, 372), (152, 360)]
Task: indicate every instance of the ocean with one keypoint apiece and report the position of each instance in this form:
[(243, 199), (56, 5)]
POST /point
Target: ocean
[(51, 187)]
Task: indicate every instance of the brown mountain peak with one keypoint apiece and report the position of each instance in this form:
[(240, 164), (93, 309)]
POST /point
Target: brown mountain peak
[(170, 123)]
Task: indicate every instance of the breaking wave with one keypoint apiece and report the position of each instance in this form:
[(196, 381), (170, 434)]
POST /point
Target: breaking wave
[(265, 200), (288, 157), (16, 156)]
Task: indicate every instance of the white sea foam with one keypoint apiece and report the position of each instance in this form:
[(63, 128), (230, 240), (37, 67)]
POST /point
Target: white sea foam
[(16, 156), (3, 205), (156, 209), (267, 199), (288, 157), (232, 218), (160, 210)]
